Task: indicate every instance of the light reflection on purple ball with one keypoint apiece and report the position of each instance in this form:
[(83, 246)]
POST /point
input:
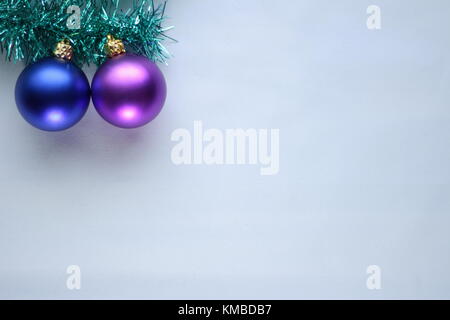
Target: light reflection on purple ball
[(128, 91)]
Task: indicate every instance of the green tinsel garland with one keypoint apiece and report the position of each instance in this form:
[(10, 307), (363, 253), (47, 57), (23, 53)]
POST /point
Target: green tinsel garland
[(29, 29)]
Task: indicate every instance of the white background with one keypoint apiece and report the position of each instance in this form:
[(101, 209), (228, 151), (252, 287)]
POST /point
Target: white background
[(364, 165)]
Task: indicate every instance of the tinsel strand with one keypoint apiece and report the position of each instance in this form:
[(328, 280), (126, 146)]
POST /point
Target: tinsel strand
[(29, 29)]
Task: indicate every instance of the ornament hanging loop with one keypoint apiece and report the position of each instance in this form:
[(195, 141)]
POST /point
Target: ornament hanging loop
[(113, 46)]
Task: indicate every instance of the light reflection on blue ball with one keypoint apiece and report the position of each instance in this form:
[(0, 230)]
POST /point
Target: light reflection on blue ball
[(52, 94)]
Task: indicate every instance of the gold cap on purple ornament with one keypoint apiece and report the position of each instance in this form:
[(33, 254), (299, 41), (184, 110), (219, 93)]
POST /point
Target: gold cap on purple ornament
[(113, 46)]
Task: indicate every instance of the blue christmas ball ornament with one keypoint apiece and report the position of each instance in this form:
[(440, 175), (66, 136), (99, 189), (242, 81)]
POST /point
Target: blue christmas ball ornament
[(52, 94)]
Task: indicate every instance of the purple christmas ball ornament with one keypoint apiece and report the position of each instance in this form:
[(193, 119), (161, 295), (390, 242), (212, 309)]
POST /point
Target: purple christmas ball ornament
[(128, 91)]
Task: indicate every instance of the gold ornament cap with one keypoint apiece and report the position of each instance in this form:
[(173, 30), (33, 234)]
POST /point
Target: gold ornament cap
[(63, 50), (113, 46)]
